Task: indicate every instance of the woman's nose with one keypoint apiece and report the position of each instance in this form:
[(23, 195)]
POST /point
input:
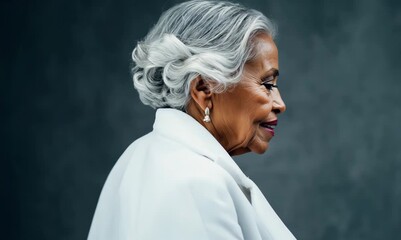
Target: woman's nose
[(278, 103)]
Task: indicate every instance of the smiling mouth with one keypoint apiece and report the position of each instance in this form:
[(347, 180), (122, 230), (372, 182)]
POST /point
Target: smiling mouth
[(269, 126)]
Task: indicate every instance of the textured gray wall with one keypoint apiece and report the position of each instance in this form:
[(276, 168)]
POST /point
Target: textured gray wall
[(69, 110)]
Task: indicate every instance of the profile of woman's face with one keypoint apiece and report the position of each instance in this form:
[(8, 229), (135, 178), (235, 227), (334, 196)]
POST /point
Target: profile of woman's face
[(244, 116)]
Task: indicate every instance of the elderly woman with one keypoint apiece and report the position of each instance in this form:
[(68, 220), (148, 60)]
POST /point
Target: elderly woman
[(210, 69)]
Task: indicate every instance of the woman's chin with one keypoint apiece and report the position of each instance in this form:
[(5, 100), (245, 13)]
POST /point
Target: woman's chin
[(260, 147), (259, 144)]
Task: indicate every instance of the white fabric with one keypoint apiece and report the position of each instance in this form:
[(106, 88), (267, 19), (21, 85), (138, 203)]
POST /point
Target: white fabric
[(178, 182)]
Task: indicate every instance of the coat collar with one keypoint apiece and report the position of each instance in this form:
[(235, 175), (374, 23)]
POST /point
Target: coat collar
[(182, 128)]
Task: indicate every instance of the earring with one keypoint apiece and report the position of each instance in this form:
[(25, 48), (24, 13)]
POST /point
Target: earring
[(207, 115)]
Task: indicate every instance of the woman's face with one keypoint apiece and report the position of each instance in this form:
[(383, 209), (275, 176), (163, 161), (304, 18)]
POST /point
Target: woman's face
[(244, 116)]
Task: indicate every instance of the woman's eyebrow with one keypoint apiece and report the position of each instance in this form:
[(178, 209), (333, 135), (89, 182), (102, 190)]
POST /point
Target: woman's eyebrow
[(272, 72)]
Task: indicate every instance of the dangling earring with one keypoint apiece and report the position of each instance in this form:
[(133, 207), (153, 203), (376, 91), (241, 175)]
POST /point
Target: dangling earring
[(207, 115)]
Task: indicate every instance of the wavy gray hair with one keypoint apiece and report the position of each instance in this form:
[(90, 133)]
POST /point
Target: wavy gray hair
[(210, 39)]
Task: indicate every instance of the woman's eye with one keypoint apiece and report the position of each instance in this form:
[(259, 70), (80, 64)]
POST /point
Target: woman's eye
[(269, 86), (267, 82)]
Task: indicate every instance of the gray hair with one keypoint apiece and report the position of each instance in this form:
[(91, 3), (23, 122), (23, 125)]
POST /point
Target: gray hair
[(210, 39)]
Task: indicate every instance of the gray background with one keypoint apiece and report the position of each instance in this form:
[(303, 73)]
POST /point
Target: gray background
[(69, 110)]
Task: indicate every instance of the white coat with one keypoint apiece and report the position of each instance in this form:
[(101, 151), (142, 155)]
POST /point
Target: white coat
[(179, 183)]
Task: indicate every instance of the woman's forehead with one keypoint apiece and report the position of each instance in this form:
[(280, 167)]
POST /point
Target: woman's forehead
[(264, 46), (266, 54)]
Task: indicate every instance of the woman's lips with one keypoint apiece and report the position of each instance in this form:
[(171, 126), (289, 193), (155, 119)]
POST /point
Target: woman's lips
[(269, 126)]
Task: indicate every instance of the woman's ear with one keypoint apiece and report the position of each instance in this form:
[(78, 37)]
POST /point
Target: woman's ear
[(201, 93)]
